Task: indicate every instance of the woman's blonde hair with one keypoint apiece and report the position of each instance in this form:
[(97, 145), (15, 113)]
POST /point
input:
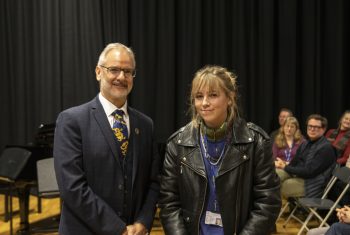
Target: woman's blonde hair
[(280, 138), (341, 118), (213, 76)]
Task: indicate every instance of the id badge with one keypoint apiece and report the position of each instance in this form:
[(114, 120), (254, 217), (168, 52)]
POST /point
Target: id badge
[(212, 218)]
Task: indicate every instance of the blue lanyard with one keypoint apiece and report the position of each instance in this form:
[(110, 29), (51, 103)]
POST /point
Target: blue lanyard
[(288, 153)]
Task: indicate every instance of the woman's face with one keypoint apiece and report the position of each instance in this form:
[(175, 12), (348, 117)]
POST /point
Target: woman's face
[(212, 105), (345, 122), (289, 129)]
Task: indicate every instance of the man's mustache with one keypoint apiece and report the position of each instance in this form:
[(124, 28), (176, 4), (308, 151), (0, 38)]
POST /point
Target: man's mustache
[(120, 83)]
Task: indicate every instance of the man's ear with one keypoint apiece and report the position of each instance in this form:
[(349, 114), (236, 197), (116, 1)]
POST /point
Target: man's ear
[(98, 73)]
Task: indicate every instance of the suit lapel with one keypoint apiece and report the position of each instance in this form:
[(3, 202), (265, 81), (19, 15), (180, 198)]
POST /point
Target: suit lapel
[(135, 135), (101, 119)]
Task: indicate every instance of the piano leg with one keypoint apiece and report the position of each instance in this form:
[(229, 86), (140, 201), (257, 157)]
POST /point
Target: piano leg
[(23, 197)]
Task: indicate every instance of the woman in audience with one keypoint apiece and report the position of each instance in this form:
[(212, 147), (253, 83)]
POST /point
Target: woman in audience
[(340, 138), (287, 141)]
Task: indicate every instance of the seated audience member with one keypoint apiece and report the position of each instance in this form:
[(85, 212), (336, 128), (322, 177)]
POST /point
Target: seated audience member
[(287, 141), (340, 228), (284, 113), (340, 138), (309, 171)]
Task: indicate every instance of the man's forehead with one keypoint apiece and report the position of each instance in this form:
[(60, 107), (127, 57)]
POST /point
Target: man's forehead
[(284, 113), (314, 121)]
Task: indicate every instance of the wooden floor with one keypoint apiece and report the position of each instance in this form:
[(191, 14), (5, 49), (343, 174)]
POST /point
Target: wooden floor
[(50, 207)]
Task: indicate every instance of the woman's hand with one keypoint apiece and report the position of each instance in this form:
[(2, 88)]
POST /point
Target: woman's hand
[(279, 163)]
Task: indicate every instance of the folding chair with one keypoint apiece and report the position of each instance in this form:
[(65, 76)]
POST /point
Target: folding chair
[(314, 204), (47, 188), (294, 200), (12, 162), (284, 208), (47, 184)]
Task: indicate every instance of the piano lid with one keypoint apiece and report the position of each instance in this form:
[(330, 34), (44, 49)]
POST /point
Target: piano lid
[(41, 147), (44, 135)]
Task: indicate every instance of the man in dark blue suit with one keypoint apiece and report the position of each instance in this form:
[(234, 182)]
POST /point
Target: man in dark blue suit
[(108, 178)]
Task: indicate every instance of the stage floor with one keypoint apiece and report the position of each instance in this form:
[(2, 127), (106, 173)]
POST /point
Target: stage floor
[(50, 208)]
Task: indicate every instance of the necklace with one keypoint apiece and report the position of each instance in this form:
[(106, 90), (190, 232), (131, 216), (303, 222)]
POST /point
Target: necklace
[(212, 160)]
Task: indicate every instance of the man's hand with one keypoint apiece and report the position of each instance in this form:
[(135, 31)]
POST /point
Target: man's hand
[(125, 231), (140, 229), (344, 214), (135, 229)]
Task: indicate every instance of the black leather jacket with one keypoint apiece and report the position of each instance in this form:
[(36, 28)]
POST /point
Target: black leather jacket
[(247, 187)]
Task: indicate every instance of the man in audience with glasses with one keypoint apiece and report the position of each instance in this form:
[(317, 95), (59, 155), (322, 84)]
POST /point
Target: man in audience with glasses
[(310, 170), (106, 162)]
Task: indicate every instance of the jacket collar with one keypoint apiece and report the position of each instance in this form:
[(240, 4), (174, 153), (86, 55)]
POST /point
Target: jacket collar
[(240, 134)]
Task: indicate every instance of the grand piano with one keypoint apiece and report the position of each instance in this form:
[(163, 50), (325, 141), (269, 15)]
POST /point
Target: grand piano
[(40, 148)]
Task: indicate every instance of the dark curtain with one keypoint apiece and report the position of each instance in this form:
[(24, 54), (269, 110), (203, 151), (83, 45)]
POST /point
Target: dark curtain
[(289, 53)]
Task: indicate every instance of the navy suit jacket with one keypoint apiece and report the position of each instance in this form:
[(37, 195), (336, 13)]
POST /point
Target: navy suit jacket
[(89, 172)]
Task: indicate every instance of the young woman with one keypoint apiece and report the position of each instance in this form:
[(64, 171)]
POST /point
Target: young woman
[(218, 174), (287, 140), (340, 138)]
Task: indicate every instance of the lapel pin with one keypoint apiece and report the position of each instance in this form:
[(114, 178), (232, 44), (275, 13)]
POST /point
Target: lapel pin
[(137, 131)]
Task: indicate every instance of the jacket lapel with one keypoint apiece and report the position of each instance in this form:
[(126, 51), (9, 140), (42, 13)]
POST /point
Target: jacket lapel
[(237, 151), (232, 159), (102, 121), (135, 135), (193, 158), (195, 161)]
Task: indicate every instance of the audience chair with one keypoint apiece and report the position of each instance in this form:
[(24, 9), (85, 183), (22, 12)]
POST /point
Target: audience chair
[(47, 188), (284, 208), (12, 162), (294, 201), (312, 205)]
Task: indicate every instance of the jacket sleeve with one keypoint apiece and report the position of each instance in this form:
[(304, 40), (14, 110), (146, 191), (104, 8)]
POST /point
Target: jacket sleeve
[(146, 215), (266, 190), (170, 213)]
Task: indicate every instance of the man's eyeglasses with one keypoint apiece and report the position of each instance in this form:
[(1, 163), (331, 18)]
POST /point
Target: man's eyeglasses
[(311, 127), (115, 71)]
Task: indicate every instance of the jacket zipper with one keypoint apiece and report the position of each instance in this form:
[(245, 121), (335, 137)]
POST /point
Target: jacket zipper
[(238, 198), (238, 203), (205, 189)]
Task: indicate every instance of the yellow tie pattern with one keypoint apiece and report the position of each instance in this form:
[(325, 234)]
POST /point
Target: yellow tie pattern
[(121, 131)]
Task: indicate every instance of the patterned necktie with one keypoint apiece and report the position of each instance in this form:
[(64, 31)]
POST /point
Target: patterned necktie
[(120, 131)]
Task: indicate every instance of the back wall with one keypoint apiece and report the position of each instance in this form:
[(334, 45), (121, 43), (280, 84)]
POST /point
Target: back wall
[(286, 53)]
